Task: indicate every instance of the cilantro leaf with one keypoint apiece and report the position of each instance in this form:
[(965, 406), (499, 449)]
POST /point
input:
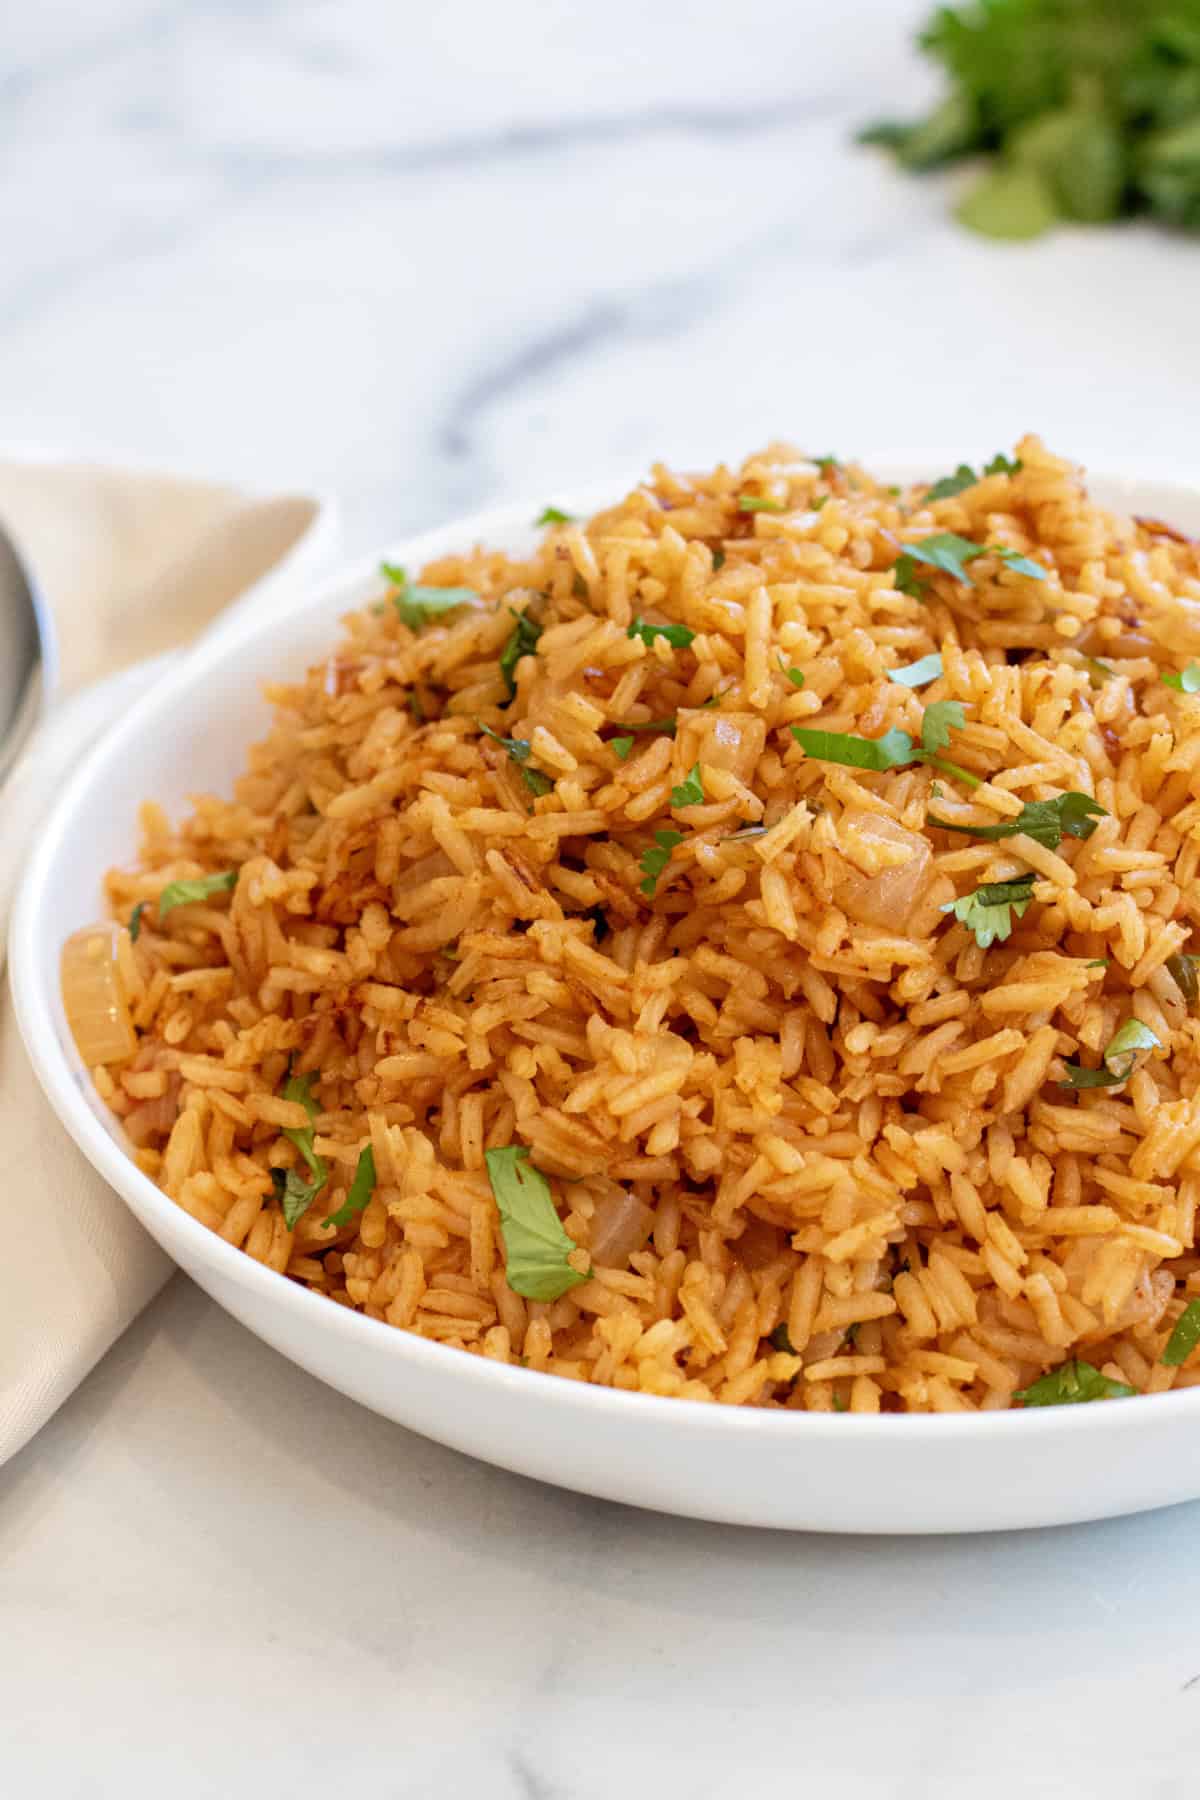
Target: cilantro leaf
[(653, 862), (904, 572), (988, 911), (1071, 1384), (416, 605), (1120, 1056), (918, 674), (891, 751), (519, 750), (135, 920), (622, 746), (677, 635), (1187, 681), (1046, 821), (938, 721), (299, 1195), (666, 726), (187, 893), (795, 676), (1099, 671), (522, 641), (553, 515), (1020, 565), (361, 1189), (963, 477), (779, 1340), (752, 503), (1184, 1337), (690, 791), (718, 560), (827, 465), (945, 551), (1003, 465), (536, 1247), (1182, 970)]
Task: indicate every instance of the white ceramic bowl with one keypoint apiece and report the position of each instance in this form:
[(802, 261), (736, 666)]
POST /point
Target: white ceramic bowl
[(924, 1473)]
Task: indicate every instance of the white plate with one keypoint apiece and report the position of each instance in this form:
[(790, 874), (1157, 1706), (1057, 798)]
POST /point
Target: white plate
[(920, 1473)]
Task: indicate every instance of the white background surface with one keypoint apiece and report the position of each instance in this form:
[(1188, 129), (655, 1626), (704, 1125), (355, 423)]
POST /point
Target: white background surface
[(428, 256)]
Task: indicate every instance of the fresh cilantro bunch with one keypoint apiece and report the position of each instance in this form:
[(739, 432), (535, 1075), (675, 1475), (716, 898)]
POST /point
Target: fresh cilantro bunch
[(1090, 107)]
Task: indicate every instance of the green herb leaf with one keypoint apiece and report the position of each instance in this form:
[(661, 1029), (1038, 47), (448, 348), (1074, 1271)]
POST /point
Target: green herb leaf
[(299, 1195), (186, 893), (1003, 465), (1071, 1384), (135, 920), (795, 676), (891, 751), (1184, 1337), (1011, 203), (655, 861), (938, 721), (827, 465), (918, 674), (945, 551), (818, 501), (988, 912), (839, 1404), (1020, 565), (963, 477), (553, 515), (677, 635), (1187, 681), (1046, 821), (718, 561), (690, 791), (1120, 1056), (622, 746), (1182, 970), (666, 726), (752, 503), (523, 641), (536, 1247), (361, 1189), (416, 605), (1099, 671), (904, 573), (519, 750), (779, 1340)]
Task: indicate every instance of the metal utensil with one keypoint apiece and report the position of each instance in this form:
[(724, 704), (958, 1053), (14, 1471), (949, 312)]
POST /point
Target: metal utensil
[(27, 654)]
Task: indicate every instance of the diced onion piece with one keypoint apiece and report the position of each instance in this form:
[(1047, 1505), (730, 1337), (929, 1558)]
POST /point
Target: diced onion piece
[(93, 998), (759, 1245), (620, 1225), (885, 899)]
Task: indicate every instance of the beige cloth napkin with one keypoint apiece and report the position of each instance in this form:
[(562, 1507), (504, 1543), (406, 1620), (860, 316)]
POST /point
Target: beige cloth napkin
[(131, 564)]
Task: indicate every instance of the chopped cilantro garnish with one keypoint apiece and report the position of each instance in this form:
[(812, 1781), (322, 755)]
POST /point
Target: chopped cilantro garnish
[(1046, 821), (945, 551), (779, 1340), (895, 748), (1182, 970), (666, 726), (186, 893), (536, 1247), (1071, 1384), (1187, 681), (298, 1195), (989, 910), (361, 1189), (718, 561), (522, 641), (690, 791), (827, 465), (135, 920), (677, 635), (1184, 1337), (752, 503), (1099, 671), (553, 515), (1003, 465), (1120, 1056), (1020, 565), (622, 746), (655, 861), (963, 477), (519, 750), (795, 676), (416, 605), (917, 674), (905, 574), (938, 721)]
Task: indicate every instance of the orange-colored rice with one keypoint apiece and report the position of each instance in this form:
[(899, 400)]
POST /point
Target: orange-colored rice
[(844, 1117)]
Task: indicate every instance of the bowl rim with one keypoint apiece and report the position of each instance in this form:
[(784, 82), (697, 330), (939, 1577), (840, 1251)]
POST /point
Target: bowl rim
[(42, 1026)]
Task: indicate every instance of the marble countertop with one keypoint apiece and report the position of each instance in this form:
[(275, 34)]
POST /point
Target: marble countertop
[(426, 258)]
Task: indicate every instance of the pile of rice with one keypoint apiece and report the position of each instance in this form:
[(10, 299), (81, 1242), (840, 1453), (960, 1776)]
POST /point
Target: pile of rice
[(817, 1134)]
